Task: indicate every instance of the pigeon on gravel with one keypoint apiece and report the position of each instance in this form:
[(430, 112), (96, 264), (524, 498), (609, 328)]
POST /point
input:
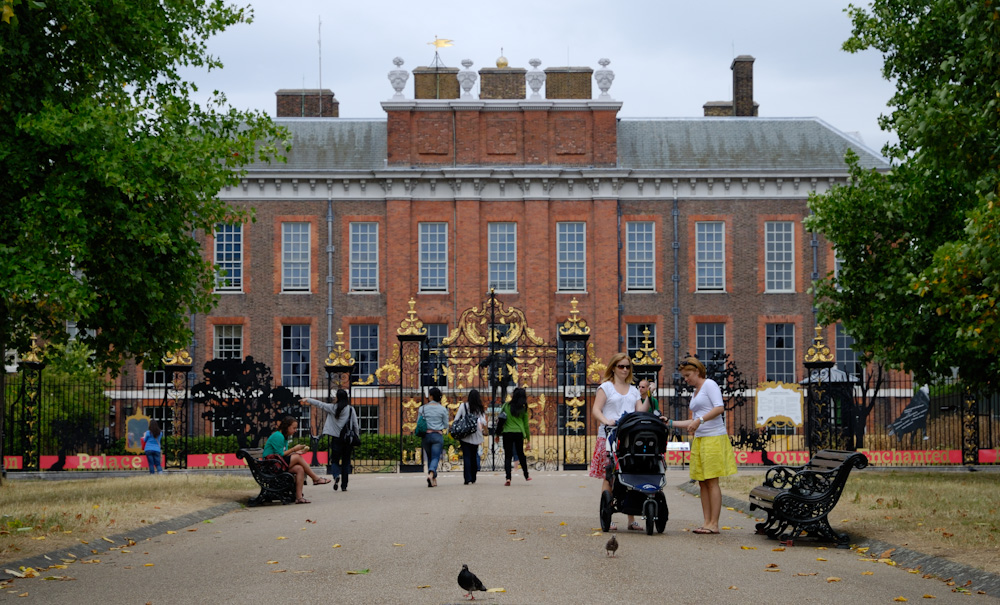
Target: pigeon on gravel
[(611, 546), (469, 582)]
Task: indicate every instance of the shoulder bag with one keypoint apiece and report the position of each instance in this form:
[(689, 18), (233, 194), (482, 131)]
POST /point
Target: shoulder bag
[(347, 434), (465, 425), (421, 429)]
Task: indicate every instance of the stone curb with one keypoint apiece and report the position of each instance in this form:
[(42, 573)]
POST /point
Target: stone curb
[(83, 551), (942, 568)]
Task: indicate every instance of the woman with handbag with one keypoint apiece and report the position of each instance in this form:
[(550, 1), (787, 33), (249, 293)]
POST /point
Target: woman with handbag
[(470, 412), (342, 427), (436, 418), (515, 432), (291, 457)]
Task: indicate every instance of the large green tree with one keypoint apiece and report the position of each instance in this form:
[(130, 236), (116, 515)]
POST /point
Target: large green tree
[(108, 167), (920, 260)]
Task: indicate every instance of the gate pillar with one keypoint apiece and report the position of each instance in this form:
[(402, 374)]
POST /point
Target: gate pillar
[(412, 337), (31, 400), (178, 399), (339, 364), (970, 428), (575, 330), (821, 426)]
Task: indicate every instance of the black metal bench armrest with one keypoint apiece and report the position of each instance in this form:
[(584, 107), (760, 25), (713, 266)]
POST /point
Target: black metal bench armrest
[(781, 476)]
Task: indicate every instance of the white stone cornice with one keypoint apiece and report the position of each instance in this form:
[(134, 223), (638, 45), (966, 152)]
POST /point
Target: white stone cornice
[(558, 183)]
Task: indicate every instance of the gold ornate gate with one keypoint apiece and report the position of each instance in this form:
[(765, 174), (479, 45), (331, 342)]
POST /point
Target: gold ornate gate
[(494, 350)]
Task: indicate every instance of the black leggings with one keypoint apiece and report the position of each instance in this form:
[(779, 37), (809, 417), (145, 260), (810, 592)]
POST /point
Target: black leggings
[(513, 442)]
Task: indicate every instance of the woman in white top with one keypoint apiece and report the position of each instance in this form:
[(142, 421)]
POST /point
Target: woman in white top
[(470, 443), (615, 398), (711, 451)]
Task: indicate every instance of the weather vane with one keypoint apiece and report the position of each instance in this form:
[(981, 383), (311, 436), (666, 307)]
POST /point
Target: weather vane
[(439, 43)]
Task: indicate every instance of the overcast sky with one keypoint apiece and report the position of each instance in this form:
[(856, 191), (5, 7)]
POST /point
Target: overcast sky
[(669, 57)]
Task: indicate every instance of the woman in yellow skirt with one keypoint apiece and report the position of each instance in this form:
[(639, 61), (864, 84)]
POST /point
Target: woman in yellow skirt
[(711, 451)]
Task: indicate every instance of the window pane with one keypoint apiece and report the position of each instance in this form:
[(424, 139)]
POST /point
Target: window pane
[(229, 257), (295, 257), (503, 256), (164, 414), (435, 358), (368, 419), (295, 349), (571, 256), (571, 363), (779, 256), (364, 256), (228, 342), (639, 256), (847, 358), (710, 255), (364, 349), (780, 352), (711, 340), (433, 257)]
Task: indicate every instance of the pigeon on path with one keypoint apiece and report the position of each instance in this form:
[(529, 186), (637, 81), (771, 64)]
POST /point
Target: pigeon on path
[(611, 546), (469, 582)]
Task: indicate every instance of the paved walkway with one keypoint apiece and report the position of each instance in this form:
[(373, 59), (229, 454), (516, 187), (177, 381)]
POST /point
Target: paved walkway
[(540, 541)]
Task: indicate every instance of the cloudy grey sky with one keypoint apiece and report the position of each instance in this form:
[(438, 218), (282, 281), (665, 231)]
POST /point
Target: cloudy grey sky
[(669, 56)]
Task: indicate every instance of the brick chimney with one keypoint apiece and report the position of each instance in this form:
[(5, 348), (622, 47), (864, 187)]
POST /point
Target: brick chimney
[(435, 83), (307, 103), (568, 82), (502, 83), (743, 104)]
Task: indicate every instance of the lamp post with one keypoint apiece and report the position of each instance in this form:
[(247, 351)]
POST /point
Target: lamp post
[(338, 362)]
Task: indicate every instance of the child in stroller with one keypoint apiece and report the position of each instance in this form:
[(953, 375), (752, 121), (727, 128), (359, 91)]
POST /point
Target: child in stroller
[(636, 471)]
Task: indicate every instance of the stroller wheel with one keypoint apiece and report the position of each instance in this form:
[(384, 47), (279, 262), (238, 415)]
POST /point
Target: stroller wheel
[(649, 510), (662, 512), (606, 510)]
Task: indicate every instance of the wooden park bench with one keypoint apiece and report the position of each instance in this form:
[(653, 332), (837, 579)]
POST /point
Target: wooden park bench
[(275, 485), (798, 499)]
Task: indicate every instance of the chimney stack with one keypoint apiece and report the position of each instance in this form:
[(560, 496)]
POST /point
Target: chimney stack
[(307, 103), (568, 82), (436, 83), (743, 104), (502, 82)]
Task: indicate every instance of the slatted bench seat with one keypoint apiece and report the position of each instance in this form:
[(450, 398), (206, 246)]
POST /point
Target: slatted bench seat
[(798, 500), (275, 485)]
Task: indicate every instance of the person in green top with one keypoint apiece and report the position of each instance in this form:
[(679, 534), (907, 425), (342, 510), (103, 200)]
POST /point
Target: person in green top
[(277, 444), (515, 432), (646, 389)]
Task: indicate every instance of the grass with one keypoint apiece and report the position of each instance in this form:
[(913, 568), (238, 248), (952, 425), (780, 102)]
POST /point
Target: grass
[(40, 516), (947, 514)]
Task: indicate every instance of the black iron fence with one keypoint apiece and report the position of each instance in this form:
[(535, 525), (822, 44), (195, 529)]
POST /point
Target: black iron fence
[(53, 425)]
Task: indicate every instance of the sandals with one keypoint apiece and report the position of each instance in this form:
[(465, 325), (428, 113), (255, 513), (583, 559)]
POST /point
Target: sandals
[(302, 501), (613, 526), (634, 526), (322, 481), (703, 531)]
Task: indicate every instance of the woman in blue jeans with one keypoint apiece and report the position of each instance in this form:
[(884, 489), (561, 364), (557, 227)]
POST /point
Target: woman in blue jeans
[(436, 417), (151, 447)]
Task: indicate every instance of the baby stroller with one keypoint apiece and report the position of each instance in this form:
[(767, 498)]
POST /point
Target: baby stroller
[(636, 472)]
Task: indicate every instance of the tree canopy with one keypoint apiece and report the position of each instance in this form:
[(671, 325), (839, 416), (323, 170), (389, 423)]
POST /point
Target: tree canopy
[(109, 168), (918, 246)]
